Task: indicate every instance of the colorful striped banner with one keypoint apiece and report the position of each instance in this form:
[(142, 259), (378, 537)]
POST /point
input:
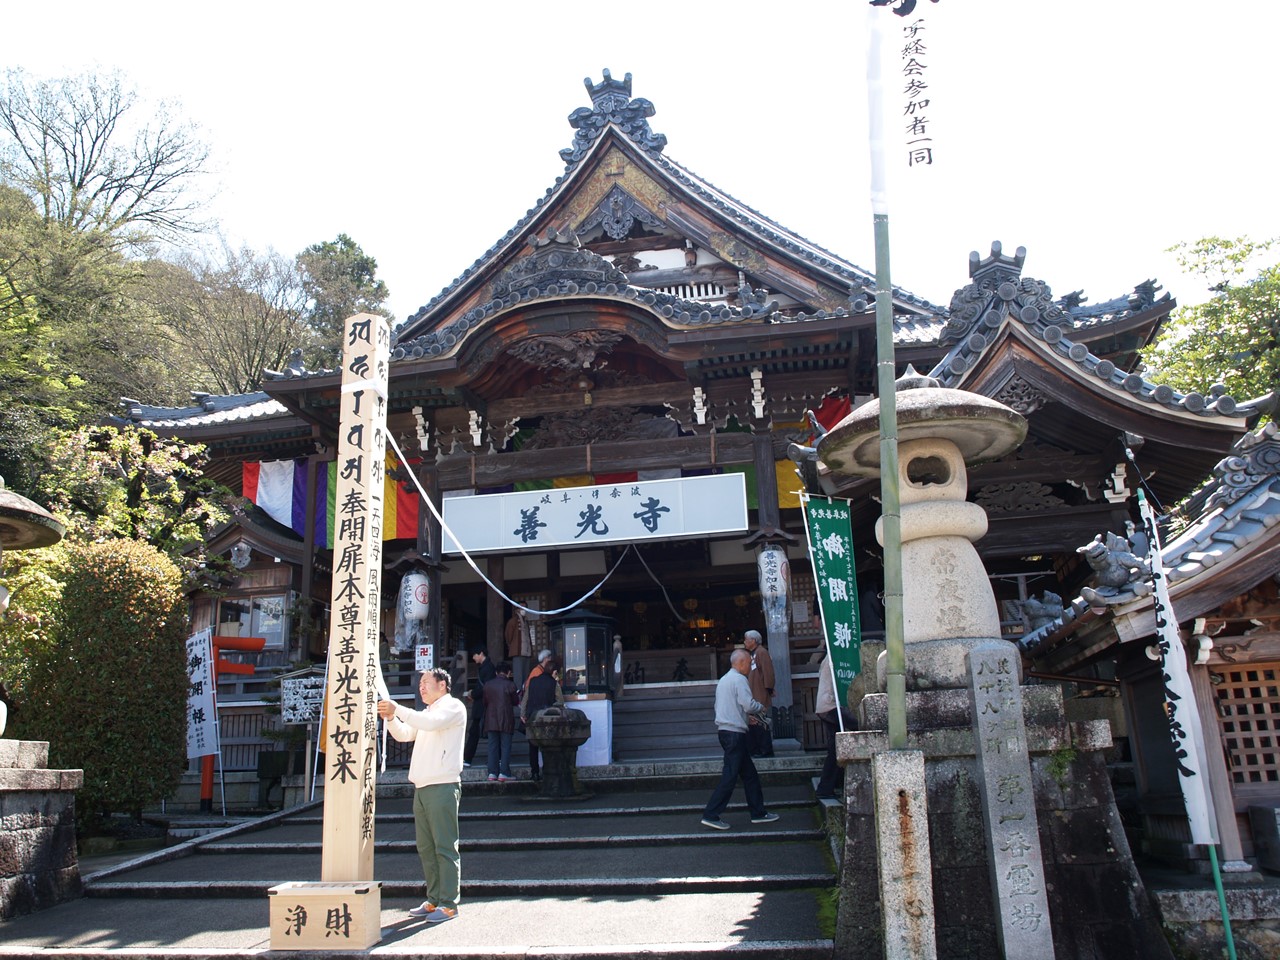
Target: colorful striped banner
[(279, 487)]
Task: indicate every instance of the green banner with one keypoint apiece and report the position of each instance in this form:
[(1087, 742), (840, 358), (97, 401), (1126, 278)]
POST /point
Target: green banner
[(831, 552)]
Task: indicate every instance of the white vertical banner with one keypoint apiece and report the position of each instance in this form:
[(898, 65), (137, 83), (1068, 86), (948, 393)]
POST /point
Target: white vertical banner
[(202, 709), (1179, 699)]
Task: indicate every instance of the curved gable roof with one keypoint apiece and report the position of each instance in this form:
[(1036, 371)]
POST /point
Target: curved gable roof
[(617, 120)]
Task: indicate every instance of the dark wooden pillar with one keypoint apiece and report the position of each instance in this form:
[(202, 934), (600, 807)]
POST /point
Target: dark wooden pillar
[(307, 573), (768, 527), (494, 607), (430, 545)]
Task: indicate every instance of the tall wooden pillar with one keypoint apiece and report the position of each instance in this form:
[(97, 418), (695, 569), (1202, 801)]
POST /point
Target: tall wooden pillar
[(431, 545), (495, 606), (769, 521), (347, 834)]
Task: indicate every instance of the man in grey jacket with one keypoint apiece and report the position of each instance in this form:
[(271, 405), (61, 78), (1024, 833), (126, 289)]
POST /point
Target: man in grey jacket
[(733, 705)]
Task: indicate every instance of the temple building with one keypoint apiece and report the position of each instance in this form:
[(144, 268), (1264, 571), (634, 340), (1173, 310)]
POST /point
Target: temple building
[(601, 405)]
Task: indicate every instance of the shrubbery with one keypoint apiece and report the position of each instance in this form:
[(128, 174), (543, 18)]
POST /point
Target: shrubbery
[(109, 692)]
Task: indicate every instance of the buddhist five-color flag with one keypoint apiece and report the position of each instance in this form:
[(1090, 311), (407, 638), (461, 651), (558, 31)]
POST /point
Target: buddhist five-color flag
[(279, 487)]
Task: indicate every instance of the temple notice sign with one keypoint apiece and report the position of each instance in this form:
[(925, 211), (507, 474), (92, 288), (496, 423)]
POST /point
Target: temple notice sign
[(607, 513), (831, 550)]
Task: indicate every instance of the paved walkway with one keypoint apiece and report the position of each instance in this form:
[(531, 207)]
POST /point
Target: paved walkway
[(627, 871)]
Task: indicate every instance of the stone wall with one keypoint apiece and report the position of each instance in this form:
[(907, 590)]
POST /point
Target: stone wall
[(38, 865), (1193, 922)]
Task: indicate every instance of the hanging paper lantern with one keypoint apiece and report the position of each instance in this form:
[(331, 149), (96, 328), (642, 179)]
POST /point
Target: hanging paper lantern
[(415, 596), (775, 585)]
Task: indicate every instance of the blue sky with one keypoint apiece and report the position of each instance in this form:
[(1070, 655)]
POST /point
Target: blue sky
[(1096, 134)]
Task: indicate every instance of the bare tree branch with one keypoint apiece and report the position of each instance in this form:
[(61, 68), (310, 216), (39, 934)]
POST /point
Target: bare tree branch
[(79, 148)]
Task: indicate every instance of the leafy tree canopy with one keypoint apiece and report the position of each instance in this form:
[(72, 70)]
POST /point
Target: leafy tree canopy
[(236, 314), (87, 179), (125, 483), (1232, 339), (340, 279)]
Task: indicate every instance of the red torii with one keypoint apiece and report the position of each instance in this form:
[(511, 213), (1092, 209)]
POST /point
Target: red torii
[(220, 666)]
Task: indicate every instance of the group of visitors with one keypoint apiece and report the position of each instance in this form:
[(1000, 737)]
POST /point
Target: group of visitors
[(444, 743), (499, 708)]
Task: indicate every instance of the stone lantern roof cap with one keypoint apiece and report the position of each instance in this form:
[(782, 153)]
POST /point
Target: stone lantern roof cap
[(982, 429)]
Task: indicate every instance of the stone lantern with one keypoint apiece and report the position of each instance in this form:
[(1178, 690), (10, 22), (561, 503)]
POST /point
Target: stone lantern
[(948, 605)]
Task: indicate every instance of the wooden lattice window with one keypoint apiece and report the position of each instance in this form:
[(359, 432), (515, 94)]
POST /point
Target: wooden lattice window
[(1249, 715)]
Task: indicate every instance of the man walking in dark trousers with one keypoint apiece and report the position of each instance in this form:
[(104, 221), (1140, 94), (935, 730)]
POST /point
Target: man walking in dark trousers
[(734, 705)]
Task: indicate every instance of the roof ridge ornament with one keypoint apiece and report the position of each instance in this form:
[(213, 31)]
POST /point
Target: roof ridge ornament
[(997, 265), (611, 103), (1256, 458)]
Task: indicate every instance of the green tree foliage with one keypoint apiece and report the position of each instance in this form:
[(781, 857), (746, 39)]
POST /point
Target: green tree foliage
[(112, 483), (1233, 338), (87, 179), (340, 279), (110, 693), (34, 579)]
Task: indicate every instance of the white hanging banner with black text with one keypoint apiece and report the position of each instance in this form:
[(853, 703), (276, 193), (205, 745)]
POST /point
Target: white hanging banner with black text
[(1179, 699)]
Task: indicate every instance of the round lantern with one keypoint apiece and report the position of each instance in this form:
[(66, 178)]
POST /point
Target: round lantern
[(415, 595)]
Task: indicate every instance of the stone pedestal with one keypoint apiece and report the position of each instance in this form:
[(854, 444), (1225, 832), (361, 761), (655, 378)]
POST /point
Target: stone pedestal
[(1098, 903), (38, 866), (558, 732)]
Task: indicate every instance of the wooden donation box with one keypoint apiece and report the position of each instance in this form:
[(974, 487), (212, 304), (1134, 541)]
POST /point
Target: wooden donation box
[(330, 916)]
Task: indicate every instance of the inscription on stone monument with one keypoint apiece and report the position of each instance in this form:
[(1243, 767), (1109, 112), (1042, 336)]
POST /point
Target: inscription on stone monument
[(1008, 803)]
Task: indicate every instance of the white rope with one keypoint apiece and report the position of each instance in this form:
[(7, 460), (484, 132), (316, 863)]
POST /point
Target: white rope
[(467, 557), (670, 607)]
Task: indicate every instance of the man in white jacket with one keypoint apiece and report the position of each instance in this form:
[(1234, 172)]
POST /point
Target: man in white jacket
[(437, 732)]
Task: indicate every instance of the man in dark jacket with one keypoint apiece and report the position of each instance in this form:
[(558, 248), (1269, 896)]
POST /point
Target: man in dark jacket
[(500, 721), (484, 673)]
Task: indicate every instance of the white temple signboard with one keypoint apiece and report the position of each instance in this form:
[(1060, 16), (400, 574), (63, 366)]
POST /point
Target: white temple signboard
[(605, 513)]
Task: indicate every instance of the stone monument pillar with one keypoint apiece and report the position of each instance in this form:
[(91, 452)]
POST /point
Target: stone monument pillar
[(1023, 832)]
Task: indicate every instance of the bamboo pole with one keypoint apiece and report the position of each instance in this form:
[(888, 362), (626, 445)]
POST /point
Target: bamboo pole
[(891, 527)]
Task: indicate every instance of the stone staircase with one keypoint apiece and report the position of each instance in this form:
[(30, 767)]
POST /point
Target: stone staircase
[(625, 870), (668, 722)]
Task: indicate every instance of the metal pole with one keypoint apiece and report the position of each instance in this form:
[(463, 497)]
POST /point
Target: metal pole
[(1222, 902), (891, 524)]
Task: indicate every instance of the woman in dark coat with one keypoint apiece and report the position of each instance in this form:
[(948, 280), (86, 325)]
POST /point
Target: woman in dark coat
[(500, 721), (539, 693)]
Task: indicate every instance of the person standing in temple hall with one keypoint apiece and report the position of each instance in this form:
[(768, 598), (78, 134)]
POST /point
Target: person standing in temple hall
[(761, 677), (437, 732)]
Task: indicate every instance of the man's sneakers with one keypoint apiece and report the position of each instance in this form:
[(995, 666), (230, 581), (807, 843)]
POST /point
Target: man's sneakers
[(432, 913), (764, 818), (715, 824), (503, 777), (493, 777)]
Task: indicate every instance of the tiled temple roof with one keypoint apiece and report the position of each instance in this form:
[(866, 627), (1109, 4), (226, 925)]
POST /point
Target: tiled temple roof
[(1237, 508), (612, 106), (206, 410), (1239, 505), (999, 294)]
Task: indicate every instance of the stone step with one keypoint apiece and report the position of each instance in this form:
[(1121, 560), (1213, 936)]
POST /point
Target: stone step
[(522, 887)]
